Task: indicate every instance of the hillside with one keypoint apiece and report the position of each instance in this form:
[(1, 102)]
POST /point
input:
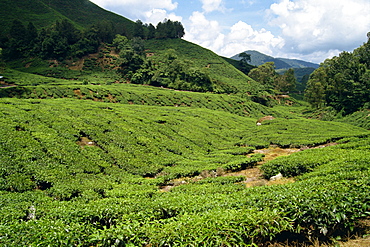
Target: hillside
[(85, 173), (96, 149), (221, 71), (258, 58), (43, 13)]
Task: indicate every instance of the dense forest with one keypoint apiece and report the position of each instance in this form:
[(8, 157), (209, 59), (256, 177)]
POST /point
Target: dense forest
[(121, 133), (63, 40), (343, 82)]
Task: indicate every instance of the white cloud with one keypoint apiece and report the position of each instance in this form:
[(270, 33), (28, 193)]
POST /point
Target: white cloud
[(321, 27), (157, 15), (240, 37), (204, 32), (243, 37), (138, 4), (145, 10), (212, 5)]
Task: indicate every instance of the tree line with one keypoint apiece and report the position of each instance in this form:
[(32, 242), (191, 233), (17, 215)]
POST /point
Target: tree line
[(343, 82), (63, 39)]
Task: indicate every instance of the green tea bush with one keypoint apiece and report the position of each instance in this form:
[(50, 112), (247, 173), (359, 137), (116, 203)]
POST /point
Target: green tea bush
[(96, 169)]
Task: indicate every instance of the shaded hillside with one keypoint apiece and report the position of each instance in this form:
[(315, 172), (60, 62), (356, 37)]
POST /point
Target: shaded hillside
[(258, 58), (70, 46), (295, 63), (245, 68), (225, 75), (44, 13)]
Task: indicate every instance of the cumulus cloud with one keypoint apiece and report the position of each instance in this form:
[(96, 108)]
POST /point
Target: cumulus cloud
[(157, 15), (204, 32), (321, 27), (145, 10), (213, 5), (138, 4), (229, 42)]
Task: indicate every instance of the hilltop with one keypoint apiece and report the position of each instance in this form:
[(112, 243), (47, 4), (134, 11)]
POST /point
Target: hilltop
[(43, 13)]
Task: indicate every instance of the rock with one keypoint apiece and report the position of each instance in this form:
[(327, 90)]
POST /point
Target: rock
[(264, 119), (276, 177)]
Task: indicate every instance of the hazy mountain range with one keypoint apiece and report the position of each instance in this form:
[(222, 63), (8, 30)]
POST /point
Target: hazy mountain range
[(258, 58)]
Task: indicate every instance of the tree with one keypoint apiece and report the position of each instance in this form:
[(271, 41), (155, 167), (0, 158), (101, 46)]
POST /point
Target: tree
[(66, 30), (105, 31), (31, 33), (151, 31), (264, 74), (17, 30), (169, 29), (286, 82), (139, 29), (179, 30), (17, 45), (130, 59), (160, 31), (2, 63), (245, 58), (137, 45), (315, 90), (121, 42)]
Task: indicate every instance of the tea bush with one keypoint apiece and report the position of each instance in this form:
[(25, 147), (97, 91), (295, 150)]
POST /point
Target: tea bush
[(77, 172)]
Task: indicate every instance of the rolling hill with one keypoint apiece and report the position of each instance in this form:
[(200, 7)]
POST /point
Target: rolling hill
[(89, 159), (43, 13)]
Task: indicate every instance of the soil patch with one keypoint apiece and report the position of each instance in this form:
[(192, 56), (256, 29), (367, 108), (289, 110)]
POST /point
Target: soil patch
[(84, 141), (253, 176)]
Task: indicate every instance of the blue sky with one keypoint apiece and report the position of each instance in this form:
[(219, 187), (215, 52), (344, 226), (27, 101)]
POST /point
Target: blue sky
[(311, 30)]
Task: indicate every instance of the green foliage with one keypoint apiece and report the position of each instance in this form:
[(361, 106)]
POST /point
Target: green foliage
[(83, 162), (169, 29), (264, 74), (286, 82), (341, 82), (359, 118), (225, 77), (168, 71)]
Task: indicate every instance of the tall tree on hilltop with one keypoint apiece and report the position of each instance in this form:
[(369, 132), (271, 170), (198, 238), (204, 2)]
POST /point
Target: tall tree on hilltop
[(139, 29), (151, 31)]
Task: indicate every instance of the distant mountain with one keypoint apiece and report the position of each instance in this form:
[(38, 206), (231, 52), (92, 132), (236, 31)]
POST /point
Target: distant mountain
[(258, 58)]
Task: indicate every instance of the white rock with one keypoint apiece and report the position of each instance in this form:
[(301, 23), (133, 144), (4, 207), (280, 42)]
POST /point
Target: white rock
[(276, 177)]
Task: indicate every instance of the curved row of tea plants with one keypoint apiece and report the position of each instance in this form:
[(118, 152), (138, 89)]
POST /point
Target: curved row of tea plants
[(143, 95), (76, 172), (326, 202)]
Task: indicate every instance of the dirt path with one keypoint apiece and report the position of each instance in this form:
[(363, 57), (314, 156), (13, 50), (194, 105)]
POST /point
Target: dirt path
[(254, 175)]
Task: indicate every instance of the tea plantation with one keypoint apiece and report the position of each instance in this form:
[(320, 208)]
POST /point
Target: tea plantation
[(83, 165)]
